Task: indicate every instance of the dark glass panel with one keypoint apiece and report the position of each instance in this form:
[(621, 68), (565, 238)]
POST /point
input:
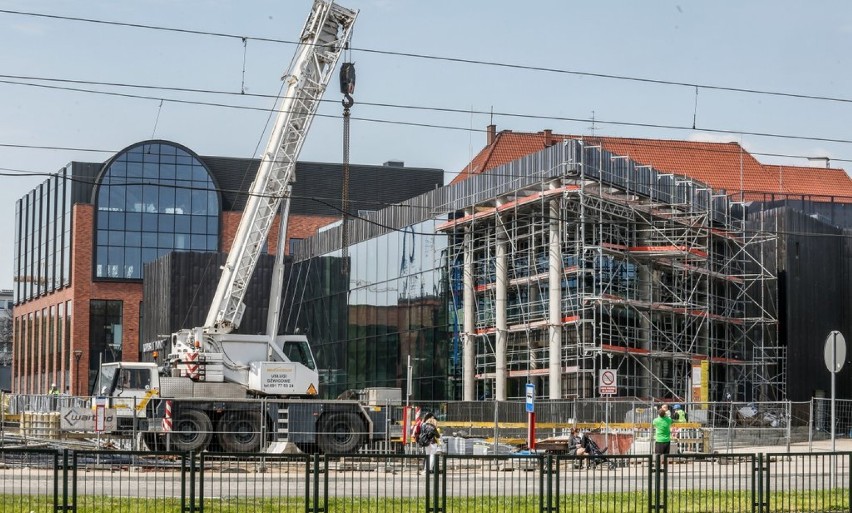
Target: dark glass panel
[(167, 200), (132, 239), (133, 221), (149, 254), (167, 172), (165, 240), (183, 200), (115, 238), (198, 242), (199, 174), (149, 239), (184, 174), (149, 222), (134, 170), (199, 223), (116, 220), (182, 241), (199, 202), (182, 224), (167, 223)]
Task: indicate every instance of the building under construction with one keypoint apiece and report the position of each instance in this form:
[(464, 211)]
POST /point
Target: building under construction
[(586, 273), (602, 264)]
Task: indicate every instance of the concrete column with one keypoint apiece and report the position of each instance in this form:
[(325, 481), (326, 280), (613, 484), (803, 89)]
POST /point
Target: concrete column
[(554, 275), (500, 304), (469, 327)]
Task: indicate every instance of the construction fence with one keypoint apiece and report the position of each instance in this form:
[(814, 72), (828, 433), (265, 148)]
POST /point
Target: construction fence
[(485, 427)]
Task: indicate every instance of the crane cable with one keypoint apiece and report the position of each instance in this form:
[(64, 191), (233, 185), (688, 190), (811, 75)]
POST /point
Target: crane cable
[(347, 87)]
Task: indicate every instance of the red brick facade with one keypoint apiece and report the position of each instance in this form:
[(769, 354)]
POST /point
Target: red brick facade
[(43, 355)]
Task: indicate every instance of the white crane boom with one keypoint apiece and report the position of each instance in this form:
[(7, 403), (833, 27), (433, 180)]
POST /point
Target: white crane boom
[(324, 38)]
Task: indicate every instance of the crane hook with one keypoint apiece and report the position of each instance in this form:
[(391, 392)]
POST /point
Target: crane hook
[(347, 83)]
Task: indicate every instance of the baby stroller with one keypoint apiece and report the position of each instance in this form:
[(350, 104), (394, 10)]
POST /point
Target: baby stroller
[(596, 455)]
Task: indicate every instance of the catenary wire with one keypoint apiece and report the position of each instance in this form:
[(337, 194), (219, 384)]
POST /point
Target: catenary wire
[(446, 109), (460, 60)]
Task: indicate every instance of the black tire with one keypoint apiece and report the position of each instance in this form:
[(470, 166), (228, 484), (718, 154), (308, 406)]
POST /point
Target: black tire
[(192, 430), (239, 431), (340, 433)]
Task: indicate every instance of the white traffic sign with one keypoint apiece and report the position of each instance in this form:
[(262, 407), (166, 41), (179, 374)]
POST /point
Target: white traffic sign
[(835, 351), (530, 397), (608, 382)]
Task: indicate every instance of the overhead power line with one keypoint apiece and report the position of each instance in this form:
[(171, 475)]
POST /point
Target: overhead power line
[(445, 109), (460, 60)]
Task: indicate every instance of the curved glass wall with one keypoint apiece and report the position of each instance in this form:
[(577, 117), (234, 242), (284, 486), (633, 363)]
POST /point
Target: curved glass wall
[(393, 302), (153, 198)]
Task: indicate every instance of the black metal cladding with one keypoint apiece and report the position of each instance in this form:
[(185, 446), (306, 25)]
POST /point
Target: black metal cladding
[(812, 277), (318, 187), (179, 287)]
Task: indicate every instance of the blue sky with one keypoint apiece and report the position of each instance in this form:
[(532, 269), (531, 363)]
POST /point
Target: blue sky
[(780, 46)]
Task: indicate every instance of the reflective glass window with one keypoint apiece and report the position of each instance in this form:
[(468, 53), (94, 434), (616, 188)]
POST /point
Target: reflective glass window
[(152, 199)]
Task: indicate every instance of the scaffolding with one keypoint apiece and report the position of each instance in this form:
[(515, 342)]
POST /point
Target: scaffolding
[(607, 264)]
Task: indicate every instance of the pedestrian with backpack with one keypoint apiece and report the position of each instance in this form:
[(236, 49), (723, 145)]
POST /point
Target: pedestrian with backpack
[(428, 437)]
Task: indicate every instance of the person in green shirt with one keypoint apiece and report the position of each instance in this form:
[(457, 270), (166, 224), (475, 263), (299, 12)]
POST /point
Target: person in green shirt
[(662, 432)]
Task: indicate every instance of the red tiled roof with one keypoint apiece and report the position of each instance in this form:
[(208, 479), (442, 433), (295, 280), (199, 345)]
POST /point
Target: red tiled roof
[(721, 165)]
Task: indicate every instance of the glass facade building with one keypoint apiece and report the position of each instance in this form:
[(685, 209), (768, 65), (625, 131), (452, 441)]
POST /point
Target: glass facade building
[(390, 301), (153, 198), (42, 258)]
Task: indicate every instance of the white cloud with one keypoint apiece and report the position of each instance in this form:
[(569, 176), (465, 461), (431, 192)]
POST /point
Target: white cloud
[(32, 29)]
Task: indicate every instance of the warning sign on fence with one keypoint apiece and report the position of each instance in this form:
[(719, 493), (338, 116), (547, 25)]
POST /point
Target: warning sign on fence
[(83, 419)]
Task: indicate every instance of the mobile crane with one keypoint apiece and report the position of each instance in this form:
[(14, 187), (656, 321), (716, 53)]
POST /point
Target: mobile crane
[(209, 366)]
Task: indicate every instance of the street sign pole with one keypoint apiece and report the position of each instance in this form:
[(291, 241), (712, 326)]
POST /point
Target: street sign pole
[(531, 416), (835, 356)]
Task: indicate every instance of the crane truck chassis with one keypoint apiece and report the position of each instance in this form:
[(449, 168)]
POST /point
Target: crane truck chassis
[(198, 416)]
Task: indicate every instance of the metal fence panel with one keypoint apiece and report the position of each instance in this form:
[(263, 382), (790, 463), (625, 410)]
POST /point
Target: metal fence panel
[(602, 483), (254, 482), (364, 483), (30, 480), (43, 480), (130, 481), (707, 482), (807, 482), (493, 483)]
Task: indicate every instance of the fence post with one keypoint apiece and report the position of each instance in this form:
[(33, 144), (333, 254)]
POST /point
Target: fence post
[(496, 421), (762, 486), (657, 477), (789, 415), (64, 506), (264, 411), (135, 415), (440, 483), (191, 481), (811, 426), (316, 508)]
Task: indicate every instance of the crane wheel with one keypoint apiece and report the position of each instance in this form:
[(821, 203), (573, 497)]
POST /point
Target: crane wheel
[(340, 433), (192, 430), (239, 431)]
